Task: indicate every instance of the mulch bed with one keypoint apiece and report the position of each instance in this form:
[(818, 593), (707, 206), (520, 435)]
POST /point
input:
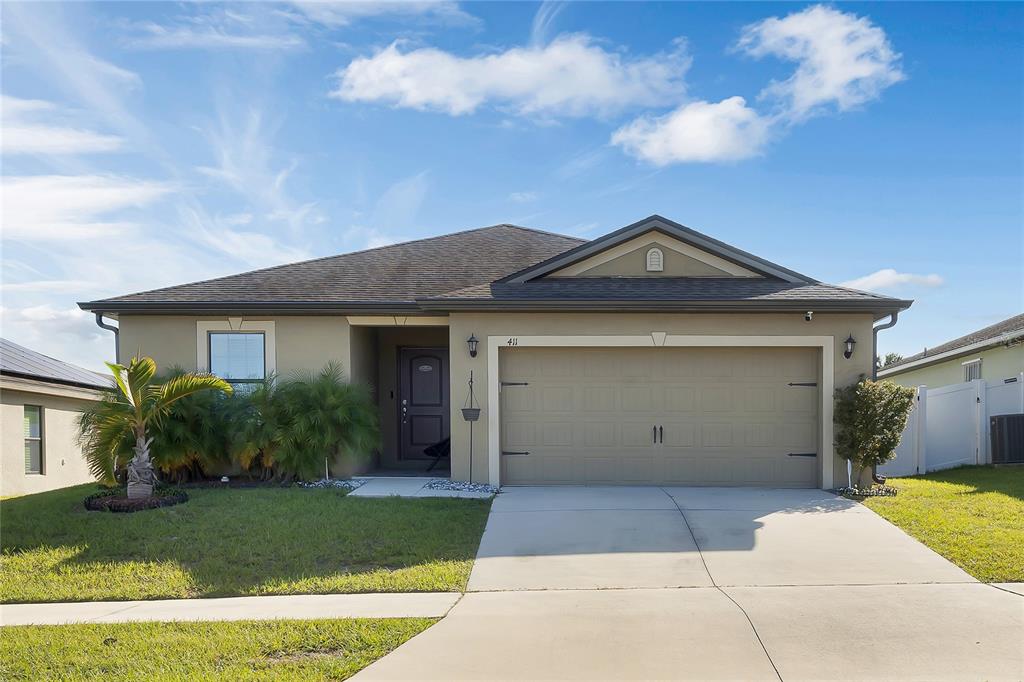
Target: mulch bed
[(116, 500)]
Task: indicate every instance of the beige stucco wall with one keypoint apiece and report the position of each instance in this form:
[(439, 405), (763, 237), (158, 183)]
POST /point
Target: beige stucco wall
[(304, 342), (634, 264), (63, 464), (520, 324), (996, 364)]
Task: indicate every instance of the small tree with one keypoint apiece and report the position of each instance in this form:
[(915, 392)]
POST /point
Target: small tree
[(870, 417), (889, 360), (126, 415)]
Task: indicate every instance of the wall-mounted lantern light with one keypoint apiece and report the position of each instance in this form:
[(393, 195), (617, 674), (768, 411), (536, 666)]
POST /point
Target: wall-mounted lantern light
[(472, 342), (850, 343)]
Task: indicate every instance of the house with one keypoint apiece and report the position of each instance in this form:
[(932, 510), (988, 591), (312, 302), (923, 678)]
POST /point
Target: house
[(995, 353), (40, 400), (652, 355)]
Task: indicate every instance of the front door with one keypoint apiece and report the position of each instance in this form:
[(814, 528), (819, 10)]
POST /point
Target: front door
[(422, 399)]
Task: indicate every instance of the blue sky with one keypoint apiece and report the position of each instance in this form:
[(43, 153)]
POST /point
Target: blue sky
[(149, 144)]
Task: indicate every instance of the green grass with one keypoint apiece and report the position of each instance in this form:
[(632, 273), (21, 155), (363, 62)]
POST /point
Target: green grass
[(243, 650), (973, 516), (235, 542)]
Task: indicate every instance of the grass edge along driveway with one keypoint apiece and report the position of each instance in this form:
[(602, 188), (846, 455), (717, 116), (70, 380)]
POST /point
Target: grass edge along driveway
[(232, 650), (235, 542), (973, 516)]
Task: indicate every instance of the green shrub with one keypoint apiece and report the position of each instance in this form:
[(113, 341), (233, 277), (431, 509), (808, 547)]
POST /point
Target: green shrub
[(289, 428), (870, 417)]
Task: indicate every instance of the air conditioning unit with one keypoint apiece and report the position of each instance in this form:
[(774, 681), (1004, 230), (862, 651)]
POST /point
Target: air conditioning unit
[(1007, 438)]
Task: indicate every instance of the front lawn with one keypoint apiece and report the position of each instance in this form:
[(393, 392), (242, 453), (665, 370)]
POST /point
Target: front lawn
[(251, 650), (973, 516), (235, 542)]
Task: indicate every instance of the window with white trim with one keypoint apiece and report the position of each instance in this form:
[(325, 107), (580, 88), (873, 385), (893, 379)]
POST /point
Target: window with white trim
[(33, 439), (972, 370), (655, 260), (239, 358)]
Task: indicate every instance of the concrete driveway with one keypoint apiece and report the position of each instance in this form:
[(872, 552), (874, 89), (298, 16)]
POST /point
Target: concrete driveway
[(710, 583)]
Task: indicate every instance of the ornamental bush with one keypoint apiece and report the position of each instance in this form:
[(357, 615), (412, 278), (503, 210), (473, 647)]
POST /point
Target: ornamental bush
[(870, 417), (289, 429)]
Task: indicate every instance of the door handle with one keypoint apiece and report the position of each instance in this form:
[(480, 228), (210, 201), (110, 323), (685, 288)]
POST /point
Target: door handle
[(655, 434), (661, 434)]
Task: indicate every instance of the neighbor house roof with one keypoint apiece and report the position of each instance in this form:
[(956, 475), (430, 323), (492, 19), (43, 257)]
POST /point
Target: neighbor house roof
[(503, 266), (18, 361), (1010, 330)]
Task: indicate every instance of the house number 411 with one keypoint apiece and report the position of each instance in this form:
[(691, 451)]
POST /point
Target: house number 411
[(513, 341)]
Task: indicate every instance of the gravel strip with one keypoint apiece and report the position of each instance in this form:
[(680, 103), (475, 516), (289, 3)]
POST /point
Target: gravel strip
[(342, 483), (463, 486)]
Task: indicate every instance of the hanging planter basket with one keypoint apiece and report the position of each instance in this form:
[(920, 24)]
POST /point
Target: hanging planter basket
[(471, 414)]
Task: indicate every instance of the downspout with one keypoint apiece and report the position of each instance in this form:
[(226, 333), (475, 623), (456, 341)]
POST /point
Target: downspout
[(874, 371), (874, 342), (117, 335)]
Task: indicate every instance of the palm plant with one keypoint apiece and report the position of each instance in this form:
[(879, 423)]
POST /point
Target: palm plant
[(291, 428), (126, 415)]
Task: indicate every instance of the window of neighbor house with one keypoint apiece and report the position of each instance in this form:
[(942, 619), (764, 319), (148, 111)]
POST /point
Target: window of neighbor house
[(239, 358), (33, 439), (972, 370)]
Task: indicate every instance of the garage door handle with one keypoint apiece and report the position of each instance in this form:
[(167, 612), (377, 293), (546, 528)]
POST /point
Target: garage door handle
[(512, 452), (661, 434), (655, 434), (803, 454)]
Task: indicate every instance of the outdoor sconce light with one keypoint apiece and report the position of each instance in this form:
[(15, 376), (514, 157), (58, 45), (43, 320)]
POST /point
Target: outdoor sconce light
[(850, 343), (472, 343)]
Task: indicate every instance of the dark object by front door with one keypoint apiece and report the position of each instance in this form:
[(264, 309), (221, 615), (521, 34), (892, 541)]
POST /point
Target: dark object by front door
[(423, 415)]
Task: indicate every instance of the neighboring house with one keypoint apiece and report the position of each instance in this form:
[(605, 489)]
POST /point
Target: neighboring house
[(995, 353), (652, 355), (40, 400)]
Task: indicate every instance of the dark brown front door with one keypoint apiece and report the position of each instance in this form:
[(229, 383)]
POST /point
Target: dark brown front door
[(422, 399)]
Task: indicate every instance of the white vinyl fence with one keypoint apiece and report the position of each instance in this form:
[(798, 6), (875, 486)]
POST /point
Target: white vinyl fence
[(949, 426)]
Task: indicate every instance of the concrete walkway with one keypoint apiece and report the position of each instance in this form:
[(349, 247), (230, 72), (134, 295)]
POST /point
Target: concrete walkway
[(704, 583), (398, 605)]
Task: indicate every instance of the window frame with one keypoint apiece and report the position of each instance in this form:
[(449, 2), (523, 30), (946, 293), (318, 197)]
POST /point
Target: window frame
[(971, 365), (236, 324), (209, 354), (41, 439)]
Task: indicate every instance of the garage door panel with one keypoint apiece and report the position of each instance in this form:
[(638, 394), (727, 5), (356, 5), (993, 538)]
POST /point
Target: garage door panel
[(728, 416), (600, 434)]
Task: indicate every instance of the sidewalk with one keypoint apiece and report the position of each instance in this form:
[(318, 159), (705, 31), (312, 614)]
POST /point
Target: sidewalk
[(381, 605)]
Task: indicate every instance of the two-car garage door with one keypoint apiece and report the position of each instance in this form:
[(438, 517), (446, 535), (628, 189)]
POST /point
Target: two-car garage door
[(686, 416)]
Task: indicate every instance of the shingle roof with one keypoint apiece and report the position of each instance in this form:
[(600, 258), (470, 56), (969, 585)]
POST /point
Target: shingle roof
[(994, 331), (464, 269), (19, 361), (399, 273), (698, 290)]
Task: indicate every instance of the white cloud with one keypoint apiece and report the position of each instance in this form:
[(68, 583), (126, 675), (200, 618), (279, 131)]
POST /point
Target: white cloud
[(68, 334), (22, 133), (843, 60), (64, 207), (336, 14), (700, 131), (210, 36), (571, 76), (889, 278), (523, 197), (544, 20)]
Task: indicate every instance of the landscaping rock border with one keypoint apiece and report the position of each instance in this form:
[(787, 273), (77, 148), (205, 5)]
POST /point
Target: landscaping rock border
[(874, 491), (462, 486), (116, 500), (337, 483)]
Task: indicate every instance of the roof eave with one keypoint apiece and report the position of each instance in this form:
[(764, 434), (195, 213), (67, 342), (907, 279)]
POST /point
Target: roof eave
[(878, 308), (670, 228), (265, 307)]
